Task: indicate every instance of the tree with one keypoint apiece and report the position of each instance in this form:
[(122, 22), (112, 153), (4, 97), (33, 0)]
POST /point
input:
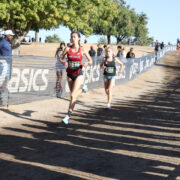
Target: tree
[(102, 40), (78, 14), (102, 23), (53, 39), (144, 41), (35, 28), (141, 29), (21, 15), (104, 17), (124, 23)]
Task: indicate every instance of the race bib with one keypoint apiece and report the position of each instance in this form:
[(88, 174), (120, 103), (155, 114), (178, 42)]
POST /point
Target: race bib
[(74, 64), (110, 70)]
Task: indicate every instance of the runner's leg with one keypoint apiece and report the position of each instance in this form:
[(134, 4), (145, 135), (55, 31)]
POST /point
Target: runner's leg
[(110, 87), (65, 120), (58, 80), (76, 90), (106, 86)]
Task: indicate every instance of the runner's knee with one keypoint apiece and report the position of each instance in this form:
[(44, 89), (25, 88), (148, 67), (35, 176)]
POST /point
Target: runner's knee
[(73, 96)]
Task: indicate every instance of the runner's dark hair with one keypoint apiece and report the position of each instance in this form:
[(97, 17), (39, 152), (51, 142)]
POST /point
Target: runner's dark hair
[(76, 32)]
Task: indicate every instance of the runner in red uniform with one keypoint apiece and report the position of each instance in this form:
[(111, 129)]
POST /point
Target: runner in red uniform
[(74, 63), (74, 70)]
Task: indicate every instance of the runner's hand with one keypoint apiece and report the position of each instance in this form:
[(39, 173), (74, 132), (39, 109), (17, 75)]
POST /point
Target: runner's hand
[(103, 67), (120, 72), (85, 64), (65, 63)]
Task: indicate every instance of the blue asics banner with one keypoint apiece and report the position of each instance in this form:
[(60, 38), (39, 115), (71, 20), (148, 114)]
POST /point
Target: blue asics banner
[(33, 78)]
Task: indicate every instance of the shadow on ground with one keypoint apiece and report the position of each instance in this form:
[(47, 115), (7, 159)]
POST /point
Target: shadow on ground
[(137, 139)]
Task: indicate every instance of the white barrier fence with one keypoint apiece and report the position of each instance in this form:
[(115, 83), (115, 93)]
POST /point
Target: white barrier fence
[(29, 78)]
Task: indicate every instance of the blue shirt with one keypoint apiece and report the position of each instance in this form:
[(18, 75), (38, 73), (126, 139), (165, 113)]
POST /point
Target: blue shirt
[(5, 48)]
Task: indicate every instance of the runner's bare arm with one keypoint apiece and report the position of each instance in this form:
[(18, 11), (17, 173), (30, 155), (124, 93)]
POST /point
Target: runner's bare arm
[(56, 53), (119, 62), (102, 64)]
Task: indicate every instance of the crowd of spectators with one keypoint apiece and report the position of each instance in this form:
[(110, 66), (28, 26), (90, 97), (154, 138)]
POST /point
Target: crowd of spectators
[(121, 51)]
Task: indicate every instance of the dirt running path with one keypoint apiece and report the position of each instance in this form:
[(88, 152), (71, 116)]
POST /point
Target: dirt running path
[(139, 138)]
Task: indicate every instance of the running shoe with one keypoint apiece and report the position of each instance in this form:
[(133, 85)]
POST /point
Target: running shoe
[(108, 106), (84, 88), (66, 119)]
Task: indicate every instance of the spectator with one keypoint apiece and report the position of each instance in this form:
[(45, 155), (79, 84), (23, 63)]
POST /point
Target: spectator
[(92, 52), (156, 50), (129, 41), (123, 52), (156, 46), (59, 70), (6, 50), (178, 47), (1, 36), (105, 46), (178, 41), (5, 44), (99, 50), (130, 54), (119, 48), (33, 39), (85, 41), (162, 45), (60, 49), (40, 39)]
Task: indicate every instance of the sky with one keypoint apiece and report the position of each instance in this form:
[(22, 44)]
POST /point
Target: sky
[(163, 22)]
